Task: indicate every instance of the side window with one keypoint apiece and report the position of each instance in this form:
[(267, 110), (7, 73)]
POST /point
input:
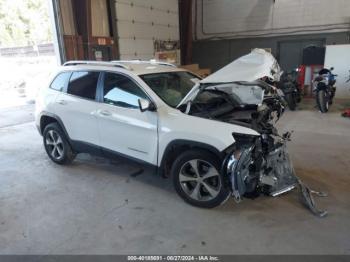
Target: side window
[(121, 91), (60, 81), (83, 84)]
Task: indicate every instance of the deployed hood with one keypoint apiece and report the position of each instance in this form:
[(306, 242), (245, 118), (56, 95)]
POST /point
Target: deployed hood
[(249, 68), (257, 64)]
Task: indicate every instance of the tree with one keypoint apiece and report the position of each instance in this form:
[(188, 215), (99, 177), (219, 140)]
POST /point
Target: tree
[(24, 22)]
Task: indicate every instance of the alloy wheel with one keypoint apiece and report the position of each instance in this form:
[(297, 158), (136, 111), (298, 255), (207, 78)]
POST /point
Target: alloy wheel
[(200, 180), (54, 144)]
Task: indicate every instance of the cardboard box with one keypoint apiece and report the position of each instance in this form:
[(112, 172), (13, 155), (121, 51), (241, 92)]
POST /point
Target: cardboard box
[(203, 72), (191, 67), (194, 68)]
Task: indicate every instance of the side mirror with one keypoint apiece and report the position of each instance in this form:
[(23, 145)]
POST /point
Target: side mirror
[(145, 105)]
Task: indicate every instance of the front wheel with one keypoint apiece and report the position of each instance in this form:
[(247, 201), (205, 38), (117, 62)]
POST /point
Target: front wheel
[(322, 101), (198, 181)]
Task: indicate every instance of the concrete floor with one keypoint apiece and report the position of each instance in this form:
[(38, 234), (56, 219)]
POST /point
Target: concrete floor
[(96, 206)]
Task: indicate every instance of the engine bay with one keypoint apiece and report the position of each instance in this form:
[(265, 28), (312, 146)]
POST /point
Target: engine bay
[(224, 104)]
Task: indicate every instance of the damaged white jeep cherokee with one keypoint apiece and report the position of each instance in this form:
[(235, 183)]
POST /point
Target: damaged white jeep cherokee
[(215, 136)]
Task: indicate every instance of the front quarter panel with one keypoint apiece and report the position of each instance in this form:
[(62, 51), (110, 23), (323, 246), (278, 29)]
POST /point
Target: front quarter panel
[(175, 125)]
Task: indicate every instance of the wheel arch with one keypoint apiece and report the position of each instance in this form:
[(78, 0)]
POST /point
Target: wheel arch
[(176, 147), (48, 118)]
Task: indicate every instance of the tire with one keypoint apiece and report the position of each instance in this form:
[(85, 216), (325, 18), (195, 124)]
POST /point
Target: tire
[(322, 101), (56, 145), (291, 101), (333, 89), (197, 190)]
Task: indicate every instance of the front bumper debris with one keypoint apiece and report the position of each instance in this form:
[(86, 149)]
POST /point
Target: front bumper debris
[(287, 180), (308, 200), (279, 176)]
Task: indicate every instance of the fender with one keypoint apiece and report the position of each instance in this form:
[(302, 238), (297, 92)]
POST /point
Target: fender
[(57, 118), (187, 143)]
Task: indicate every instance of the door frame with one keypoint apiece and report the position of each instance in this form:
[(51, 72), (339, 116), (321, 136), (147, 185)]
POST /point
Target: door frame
[(99, 99), (100, 86)]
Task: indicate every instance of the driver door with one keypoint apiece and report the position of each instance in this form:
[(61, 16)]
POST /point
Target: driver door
[(123, 128)]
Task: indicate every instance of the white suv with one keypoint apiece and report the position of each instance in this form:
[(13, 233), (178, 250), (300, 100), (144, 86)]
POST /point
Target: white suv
[(213, 136)]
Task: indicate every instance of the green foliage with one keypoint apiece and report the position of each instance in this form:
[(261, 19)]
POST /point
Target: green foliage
[(24, 22)]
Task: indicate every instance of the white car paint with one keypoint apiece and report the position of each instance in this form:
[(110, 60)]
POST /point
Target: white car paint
[(141, 135), (45, 102), (257, 64), (248, 68), (175, 125), (128, 131), (79, 117)]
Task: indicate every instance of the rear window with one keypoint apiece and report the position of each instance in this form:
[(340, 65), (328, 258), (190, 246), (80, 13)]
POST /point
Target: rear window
[(60, 81), (83, 84)]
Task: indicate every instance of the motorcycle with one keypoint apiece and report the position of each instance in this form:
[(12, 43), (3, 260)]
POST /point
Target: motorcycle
[(324, 86), (290, 88)]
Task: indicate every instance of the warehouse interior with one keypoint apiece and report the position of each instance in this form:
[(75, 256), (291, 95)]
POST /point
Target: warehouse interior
[(102, 206)]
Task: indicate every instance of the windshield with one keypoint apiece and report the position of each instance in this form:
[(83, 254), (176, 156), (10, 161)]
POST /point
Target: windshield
[(171, 87)]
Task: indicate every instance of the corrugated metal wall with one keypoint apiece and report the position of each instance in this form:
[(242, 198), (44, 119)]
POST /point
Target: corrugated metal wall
[(227, 29), (253, 18)]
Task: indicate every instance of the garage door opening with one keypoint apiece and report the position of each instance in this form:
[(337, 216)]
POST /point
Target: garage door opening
[(27, 55)]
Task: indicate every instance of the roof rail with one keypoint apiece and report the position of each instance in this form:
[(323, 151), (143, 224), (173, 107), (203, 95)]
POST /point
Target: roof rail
[(96, 63), (137, 61)]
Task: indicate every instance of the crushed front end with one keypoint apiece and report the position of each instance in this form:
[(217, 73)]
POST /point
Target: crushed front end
[(255, 164), (261, 164), (239, 94), (264, 167)]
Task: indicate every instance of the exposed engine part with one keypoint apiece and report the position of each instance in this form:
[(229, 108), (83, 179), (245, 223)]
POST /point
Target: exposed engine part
[(268, 180), (276, 175), (279, 168)]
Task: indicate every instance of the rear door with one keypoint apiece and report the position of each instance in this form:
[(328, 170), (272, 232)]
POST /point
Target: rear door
[(123, 128), (77, 107)]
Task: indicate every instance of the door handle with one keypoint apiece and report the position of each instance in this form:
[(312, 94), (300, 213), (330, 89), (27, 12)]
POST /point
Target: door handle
[(62, 102), (105, 113)]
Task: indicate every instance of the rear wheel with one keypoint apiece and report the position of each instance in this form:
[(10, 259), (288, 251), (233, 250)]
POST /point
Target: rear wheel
[(322, 101), (197, 179), (56, 145)]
